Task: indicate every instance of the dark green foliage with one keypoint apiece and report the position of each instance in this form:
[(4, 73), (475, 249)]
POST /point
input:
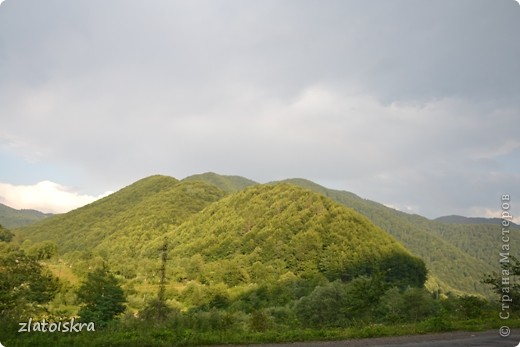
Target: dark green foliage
[(326, 306), (402, 271), (417, 304), (43, 250), (260, 321), (157, 311), (101, 297), (507, 282), (5, 235), (470, 307), (24, 283), (410, 305)]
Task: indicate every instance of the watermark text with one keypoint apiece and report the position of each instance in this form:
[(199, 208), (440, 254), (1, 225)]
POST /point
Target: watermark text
[(70, 326)]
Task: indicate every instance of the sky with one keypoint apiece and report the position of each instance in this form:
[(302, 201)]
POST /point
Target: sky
[(411, 103)]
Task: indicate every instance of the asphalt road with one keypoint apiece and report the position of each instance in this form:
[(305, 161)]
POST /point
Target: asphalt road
[(454, 339)]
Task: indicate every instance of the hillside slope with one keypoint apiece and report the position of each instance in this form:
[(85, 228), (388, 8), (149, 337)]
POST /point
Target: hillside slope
[(451, 268), (455, 219), (271, 232), (123, 221), (131, 223), (13, 218)]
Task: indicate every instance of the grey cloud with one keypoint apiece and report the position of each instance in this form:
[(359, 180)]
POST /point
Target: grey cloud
[(383, 98)]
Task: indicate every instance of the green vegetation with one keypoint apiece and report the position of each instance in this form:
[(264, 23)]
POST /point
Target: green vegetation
[(454, 219), (506, 284), (5, 235), (432, 241), (220, 259), (229, 184), (12, 218), (24, 283), (101, 298)]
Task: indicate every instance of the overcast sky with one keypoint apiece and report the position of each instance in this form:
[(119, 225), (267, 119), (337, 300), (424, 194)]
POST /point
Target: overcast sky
[(411, 103)]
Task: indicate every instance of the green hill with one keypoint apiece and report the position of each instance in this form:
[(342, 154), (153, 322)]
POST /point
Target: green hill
[(268, 232), (481, 241), (229, 184), (452, 268), (264, 234), (12, 218), (210, 217), (123, 222)]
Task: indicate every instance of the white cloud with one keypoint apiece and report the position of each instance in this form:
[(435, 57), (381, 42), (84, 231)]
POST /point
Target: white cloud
[(45, 196), (490, 213)]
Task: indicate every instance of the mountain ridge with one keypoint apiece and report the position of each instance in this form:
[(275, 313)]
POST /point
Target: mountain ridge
[(457, 219), (14, 218), (421, 236)]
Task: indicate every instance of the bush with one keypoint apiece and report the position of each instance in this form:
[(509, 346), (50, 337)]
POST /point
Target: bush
[(324, 307), (260, 321)]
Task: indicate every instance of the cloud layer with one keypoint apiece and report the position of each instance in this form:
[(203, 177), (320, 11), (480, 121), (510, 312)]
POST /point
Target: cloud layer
[(410, 103), (45, 196)]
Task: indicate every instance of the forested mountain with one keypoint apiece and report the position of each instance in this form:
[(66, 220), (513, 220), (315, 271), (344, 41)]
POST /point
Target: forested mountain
[(274, 235), (127, 219), (215, 254), (443, 256), (227, 183), (12, 218), (210, 217), (269, 232), (454, 219)]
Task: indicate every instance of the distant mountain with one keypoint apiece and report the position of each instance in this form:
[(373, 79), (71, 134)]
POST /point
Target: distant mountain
[(209, 218), (455, 219), (482, 241), (229, 184), (12, 218), (261, 234), (443, 256)]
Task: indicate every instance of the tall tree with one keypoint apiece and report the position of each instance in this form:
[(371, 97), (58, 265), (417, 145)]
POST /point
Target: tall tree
[(24, 283), (101, 297), (157, 310)]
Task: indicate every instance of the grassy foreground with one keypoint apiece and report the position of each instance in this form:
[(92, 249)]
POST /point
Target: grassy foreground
[(138, 335)]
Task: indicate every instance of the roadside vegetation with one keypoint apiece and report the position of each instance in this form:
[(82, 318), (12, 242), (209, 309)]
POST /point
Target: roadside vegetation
[(166, 262)]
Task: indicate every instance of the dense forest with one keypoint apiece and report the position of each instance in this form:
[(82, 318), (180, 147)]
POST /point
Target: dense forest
[(12, 218), (219, 259)]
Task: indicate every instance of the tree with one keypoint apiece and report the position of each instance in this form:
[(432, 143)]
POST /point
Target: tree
[(24, 283), (409, 305), (324, 307), (101, 297), (157, 309), (5, 235), (403, 270), (505, 284), (43, 250)]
